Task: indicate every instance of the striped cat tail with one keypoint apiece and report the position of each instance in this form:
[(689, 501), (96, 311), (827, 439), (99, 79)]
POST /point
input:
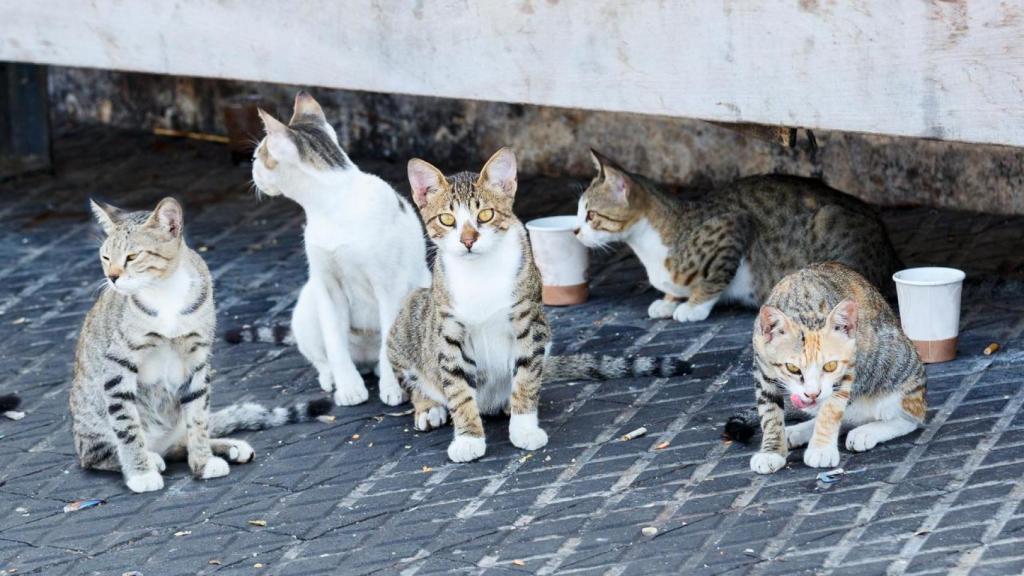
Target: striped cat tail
[(276, 334), (606, 367), (9, 402), (741, 427), (252, 416)]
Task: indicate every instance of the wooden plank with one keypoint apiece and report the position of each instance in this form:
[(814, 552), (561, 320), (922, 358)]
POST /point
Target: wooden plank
[(928, 68)]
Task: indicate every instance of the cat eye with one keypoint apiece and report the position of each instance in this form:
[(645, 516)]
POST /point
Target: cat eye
[(793, 368), (591, 215), (130, 257), (447, 219), (485, 216), (830, 366), (105, 258)]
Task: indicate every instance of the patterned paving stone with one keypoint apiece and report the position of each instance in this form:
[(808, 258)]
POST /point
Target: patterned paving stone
[(947, 499)]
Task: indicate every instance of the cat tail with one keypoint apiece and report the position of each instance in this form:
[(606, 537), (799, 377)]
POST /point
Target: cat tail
[(252, 416), (9, 403), (276, 334), (605, 366), (742, 426)]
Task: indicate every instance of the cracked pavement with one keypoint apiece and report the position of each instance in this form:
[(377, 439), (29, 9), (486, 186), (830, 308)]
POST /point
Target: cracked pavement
[(366, 494)]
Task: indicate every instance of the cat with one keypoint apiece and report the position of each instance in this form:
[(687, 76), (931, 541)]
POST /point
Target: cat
[(476, 342), (365, 248), (732, 244), (141, 388), (828, 340)]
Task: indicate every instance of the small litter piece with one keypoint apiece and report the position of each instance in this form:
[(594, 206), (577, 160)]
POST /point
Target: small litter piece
[(258, 565), (214, 562), (525, 458), (634, 434), (83, 504), (327, 418), (396, 414), (260, 523), (649, 531), (355, 436), (661, 446), (922, 532), (519, 563), (14, 415), (131, 573), (183, 533), (427, 469), (991, 349), (832, 476)]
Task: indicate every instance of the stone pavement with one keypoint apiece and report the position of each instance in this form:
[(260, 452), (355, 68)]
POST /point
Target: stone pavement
[(365, 494)]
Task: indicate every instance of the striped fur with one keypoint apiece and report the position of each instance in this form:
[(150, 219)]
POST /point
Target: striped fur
[(606, 367), (276, 334), (826, 343)]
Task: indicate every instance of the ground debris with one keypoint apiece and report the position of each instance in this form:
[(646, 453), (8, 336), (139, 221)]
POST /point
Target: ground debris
[(260, 523), (634, 434), (649, 531), (991, 349), (83, 504)]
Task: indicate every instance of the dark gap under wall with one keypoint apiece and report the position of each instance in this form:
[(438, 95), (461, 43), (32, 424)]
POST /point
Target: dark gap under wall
[(456, 134)]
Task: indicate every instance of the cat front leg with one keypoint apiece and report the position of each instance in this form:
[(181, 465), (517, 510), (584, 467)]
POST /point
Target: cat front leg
[(770, 409), (710, 265), (663, 307), (468, 443), (194, 397), (140, 467), (309, 338), (391, 392), (823, 449), (531, 338), (333, 314)]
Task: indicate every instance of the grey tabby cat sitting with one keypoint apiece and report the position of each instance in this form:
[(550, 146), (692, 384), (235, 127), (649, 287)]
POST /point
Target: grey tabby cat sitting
[(141, 388)]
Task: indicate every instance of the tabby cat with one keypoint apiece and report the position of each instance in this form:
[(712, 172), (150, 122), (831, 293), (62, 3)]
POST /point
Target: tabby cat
[(828, 339), (141, 387), (732, 244), (365, 249), (476, 341)]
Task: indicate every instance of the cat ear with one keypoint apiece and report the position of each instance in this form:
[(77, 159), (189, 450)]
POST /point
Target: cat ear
[(616, 179), (107, 215), (167, 216), (424, 179), (500, 172), (772, 322), (270, 124), (305, 105), (843, 317)]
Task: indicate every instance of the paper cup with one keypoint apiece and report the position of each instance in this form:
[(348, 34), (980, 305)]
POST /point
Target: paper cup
[(561, 258), (930, 310)]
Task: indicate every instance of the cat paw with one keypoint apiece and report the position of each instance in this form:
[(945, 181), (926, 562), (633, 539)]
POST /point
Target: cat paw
[(326, 381), (528, 439), (427, 420), (661, 309), (145, 482), (466, 448), (351, 390), (157, 461), (215, 468), (822, 456), (240, 452), (767, 462), (687, 312), (391, 393), (796, 436), (861, 439)]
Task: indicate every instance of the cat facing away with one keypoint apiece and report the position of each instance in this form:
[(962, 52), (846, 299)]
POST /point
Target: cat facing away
[(476, 341), (828, 341), (365, 248), (141, 388), (734, 243)]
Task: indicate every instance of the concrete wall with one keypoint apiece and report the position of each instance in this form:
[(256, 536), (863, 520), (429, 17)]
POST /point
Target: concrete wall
[(458, 134)]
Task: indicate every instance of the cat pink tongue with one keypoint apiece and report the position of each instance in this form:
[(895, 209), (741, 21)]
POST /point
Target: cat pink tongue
[(795, 399)]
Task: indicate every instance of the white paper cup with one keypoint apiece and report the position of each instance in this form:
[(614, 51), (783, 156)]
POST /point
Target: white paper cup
[(561, 258), (930, 309)]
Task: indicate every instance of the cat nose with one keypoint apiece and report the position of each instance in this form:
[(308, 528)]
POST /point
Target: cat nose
[(812, 395), (468, 242), (113, 278)]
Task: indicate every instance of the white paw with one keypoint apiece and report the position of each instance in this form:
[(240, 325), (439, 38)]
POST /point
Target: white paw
[(145, 482), (390, 392), (822, 456), (466, 448), (351, 390), (524, 433), (662, 309), (797, 437), (767, 462), (157, 461), (433, 418), (215, 468), (241, 452), (326, 381), (687, 312), (861, 439)]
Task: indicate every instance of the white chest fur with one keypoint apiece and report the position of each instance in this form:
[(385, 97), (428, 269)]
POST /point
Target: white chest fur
[(168, 298), (652, 252), (481, 291)]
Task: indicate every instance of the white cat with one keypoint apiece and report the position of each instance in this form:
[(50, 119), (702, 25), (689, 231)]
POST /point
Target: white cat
[(364, 244)]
